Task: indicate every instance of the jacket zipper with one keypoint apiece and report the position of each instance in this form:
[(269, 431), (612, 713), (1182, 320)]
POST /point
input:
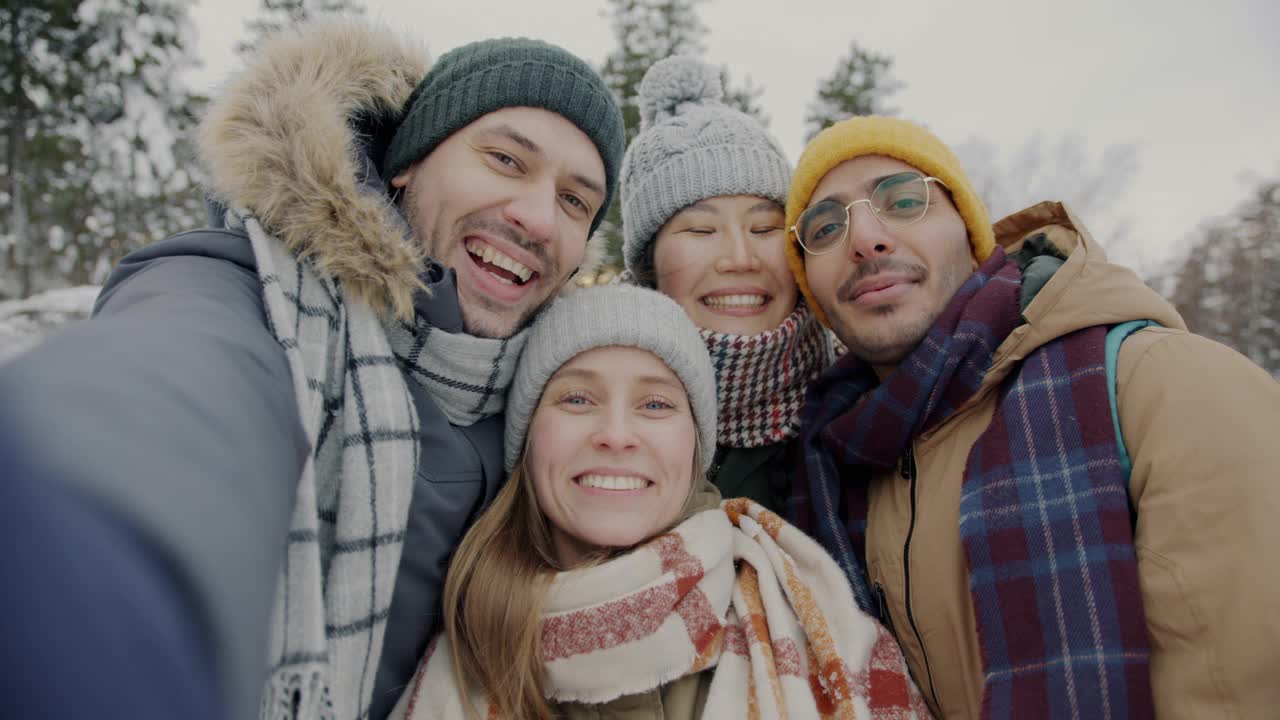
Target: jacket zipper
[(716, 461), (882, 607), (909, 472)]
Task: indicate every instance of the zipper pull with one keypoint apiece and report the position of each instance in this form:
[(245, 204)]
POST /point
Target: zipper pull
[(908, 464), (716, 461), (882, 607)]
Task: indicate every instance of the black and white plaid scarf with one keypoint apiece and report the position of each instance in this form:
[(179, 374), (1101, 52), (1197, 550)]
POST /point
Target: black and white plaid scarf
[(761, 378), (347, 531)]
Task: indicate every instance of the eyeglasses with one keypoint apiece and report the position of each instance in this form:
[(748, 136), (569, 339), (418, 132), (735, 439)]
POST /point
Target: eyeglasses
[(897, 201)]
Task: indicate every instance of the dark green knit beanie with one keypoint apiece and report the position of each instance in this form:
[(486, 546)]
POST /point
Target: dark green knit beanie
[(488, 75)]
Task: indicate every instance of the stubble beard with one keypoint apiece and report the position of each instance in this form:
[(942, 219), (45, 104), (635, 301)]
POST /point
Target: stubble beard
[(482, 316), (886, 341)]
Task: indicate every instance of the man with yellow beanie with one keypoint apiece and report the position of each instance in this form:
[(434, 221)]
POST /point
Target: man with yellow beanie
[(1053, 522)]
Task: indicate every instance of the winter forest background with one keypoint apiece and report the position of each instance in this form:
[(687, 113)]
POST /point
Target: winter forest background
[(96, 156)]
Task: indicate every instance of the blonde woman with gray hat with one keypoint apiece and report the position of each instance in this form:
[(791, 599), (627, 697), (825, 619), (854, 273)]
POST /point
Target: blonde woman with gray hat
[(607, 579), (703, 192)]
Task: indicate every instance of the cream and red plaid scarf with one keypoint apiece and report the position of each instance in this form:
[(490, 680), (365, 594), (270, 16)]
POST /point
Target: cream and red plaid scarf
[(761, 379), (781, 631)]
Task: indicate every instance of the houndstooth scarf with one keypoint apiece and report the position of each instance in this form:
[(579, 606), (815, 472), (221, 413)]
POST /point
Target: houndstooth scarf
[(762, 378), (735, 589), (345, 538)]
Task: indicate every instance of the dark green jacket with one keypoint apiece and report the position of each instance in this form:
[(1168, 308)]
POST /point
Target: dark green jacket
[(763, 474)]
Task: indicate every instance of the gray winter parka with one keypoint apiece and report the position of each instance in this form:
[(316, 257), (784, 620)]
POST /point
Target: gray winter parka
[(174, 406)]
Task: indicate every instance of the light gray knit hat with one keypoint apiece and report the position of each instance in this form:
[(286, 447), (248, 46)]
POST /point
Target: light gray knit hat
[(604, 316), (691, 147)]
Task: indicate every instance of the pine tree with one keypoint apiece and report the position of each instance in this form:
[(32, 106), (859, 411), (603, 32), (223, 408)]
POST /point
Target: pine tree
[(275, 15), (860, 84), (745, 97), (42, 91), (145, 182), (648, 31), (94, 133)]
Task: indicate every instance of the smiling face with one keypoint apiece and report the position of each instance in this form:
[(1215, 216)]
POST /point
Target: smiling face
[(507, 202), (611, 451), (724, 260), (884, 287)]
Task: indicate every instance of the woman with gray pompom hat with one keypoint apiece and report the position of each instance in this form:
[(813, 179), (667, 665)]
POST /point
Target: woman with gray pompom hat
[(703, 190)]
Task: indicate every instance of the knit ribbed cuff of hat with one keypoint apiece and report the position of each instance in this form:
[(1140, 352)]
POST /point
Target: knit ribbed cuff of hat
[(613, 315), (483, 77), (689, 177)]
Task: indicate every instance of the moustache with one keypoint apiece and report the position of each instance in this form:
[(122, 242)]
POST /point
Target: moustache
[(515, 236), (912, 271)]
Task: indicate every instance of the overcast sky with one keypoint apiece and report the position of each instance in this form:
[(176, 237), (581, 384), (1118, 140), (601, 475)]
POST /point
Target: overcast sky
[(1193, 87)]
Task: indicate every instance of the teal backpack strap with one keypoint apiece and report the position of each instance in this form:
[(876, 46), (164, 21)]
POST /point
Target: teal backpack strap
[(1115, 336)]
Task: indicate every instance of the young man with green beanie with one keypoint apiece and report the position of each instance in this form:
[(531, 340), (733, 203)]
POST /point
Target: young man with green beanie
[(1054, 520), (299, 410)]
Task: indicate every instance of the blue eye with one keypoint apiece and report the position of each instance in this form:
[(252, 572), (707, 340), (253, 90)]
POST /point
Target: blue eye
[(574, 399), (657, 404)]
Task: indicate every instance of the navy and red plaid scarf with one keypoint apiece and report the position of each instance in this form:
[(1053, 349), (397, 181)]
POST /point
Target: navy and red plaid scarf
[(1044, 513)]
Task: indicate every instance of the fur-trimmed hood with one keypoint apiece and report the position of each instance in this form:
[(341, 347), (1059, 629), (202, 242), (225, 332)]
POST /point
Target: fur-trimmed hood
[(289, 140), (279, 142)]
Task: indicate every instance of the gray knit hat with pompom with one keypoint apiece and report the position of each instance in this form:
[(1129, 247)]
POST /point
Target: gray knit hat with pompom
[(604, 316), (691, 147)]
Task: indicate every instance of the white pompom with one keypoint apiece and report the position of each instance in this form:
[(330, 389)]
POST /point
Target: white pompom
[(675, 82)]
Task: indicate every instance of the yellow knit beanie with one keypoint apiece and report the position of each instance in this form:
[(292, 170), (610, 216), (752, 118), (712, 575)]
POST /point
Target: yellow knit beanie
[(873, 135)]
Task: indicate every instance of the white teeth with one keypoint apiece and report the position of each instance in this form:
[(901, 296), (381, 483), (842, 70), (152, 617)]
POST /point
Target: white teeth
[(734, 300), (613, 482), (494, 256)]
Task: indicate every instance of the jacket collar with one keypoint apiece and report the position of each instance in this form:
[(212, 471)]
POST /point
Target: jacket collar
[(1087, 290)]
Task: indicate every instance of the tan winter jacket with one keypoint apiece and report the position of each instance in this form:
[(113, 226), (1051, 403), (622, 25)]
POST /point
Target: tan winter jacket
[(1200, 422)]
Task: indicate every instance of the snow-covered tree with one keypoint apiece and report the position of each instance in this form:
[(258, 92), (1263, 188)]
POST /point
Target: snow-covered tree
[(42, 88), (95, 136), (1228, 287), (144, 182)]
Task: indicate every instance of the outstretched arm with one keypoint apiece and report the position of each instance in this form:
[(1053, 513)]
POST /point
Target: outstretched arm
[(170, 416)]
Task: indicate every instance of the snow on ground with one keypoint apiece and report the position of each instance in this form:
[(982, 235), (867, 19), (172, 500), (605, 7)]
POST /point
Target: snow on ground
[(24, 323)]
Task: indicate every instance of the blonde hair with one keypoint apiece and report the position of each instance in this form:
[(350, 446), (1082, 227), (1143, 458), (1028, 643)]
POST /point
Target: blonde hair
[(494, 596)]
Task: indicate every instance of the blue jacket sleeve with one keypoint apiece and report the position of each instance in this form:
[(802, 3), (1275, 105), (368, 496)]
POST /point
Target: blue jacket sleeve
[(173, 408), (94, 624)]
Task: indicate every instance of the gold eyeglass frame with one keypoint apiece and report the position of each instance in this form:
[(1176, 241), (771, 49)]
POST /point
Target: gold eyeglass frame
[(848, 213)]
